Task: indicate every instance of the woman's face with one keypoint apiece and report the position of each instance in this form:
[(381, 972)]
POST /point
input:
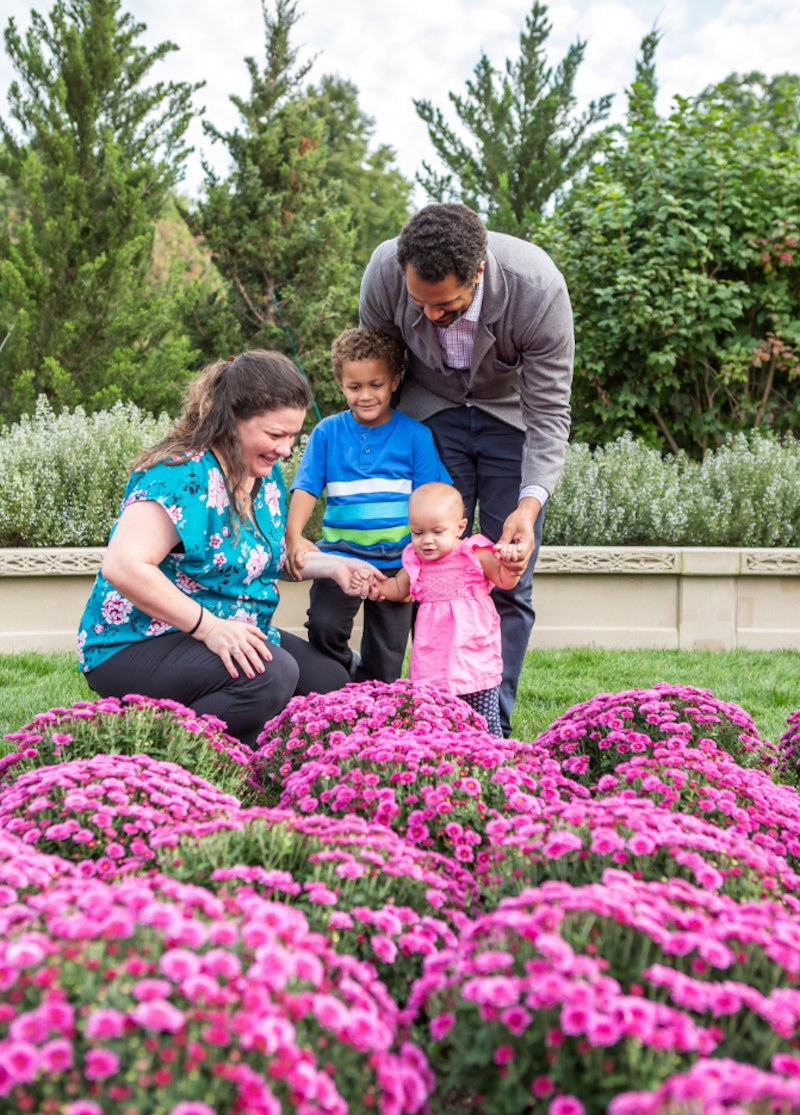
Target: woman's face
[(268, 437)]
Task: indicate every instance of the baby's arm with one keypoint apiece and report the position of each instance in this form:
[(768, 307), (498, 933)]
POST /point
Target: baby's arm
[(494, 564), (394, 588)]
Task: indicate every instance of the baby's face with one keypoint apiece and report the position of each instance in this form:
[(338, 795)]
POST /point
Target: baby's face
[(434, 532)]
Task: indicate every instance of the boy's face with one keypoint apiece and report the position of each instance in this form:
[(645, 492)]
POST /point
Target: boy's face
[(367, 386)]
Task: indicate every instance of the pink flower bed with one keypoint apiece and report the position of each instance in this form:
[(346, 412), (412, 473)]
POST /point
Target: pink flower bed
[(577, 841), (377, 896), (605, 921), (546, 996), (435, 788), (717, 1087), (114, 993), (308, 724), (103, 812), (162, 729), (788, 762), (712, 785), (593, 737)]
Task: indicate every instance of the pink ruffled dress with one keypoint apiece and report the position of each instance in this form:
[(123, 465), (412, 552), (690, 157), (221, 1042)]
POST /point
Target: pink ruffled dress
[(456, 640)]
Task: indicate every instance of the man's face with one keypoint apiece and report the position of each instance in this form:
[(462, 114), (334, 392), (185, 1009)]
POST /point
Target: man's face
[(443, 302)]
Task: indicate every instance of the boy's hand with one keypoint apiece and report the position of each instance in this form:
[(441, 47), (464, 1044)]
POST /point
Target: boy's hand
[(296, 551), (357, 578)]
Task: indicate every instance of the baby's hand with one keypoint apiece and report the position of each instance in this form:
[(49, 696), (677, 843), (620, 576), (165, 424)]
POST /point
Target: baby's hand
[(508, 553), (361, 584)]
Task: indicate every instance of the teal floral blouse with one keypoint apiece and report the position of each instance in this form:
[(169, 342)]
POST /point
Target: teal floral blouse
[(232, 575)]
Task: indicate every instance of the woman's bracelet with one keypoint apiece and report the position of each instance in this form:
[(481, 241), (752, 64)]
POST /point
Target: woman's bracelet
[(199, 621)]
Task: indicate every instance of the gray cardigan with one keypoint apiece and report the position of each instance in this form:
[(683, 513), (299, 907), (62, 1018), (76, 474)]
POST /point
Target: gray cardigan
[(522, 357)]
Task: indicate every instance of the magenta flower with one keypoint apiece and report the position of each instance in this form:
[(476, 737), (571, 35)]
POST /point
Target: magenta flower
[(159, 1015), (104, 1024), (100, 1063), (441, 1025), (566, 1105)]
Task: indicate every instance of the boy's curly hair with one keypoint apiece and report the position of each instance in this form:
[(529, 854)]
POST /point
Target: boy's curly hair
[(366, 344), (443, 239)]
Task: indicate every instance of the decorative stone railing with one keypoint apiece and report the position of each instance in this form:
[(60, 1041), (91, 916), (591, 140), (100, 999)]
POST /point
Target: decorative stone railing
[(606, 596)]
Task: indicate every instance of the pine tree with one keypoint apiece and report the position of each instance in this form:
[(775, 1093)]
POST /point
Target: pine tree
[(377, 194), (527, 140), (277, 229), (92, 162)]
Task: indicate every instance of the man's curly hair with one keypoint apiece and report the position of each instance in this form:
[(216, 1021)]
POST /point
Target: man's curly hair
[(366, 344), (442, 240)]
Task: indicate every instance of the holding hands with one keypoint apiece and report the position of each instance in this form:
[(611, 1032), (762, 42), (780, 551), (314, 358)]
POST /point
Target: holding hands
[(509, 553), (353, 576)]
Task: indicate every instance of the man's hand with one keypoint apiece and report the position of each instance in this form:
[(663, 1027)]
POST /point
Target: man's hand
[(518, 532)]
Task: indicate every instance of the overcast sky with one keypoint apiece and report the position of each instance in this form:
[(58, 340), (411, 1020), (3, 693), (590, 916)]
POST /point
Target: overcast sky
[(424, 49)]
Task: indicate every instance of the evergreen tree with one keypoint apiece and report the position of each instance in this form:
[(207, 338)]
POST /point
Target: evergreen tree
[(527, 142), (277, 229), (92, 162), (377, 194)]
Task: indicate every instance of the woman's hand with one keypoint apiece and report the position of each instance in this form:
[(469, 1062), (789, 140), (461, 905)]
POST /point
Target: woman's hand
[(357, 578), (240, 646), (353, 576)]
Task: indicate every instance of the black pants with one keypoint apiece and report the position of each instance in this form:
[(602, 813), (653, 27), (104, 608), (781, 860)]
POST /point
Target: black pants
[(181, 668), (386, 627)]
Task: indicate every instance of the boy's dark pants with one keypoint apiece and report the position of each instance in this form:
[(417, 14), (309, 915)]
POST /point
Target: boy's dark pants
[(385, 635)]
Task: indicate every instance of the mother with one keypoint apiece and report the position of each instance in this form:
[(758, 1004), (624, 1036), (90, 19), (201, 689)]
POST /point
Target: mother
[(182, 607)]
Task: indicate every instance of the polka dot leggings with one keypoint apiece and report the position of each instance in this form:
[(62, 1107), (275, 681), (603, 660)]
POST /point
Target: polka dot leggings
[(487, 703)]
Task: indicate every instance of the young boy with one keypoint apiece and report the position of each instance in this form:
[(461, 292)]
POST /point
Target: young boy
[(367, 459)]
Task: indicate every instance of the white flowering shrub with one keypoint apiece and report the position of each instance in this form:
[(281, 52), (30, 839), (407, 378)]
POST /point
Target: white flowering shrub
[(62, 475), (62, 478), (625, 493), (748, 494)]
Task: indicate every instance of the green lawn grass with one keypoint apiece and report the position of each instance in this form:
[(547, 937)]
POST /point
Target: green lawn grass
[(764, 683)]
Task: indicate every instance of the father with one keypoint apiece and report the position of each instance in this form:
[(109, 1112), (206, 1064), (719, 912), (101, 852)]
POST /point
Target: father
[(487, 326)]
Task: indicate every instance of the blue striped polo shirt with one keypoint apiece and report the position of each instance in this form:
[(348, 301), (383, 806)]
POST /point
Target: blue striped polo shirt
[(367, 474)]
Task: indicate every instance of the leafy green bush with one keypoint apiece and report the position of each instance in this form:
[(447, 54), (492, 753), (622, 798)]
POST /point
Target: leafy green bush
[(621, 494), (62, 475)]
